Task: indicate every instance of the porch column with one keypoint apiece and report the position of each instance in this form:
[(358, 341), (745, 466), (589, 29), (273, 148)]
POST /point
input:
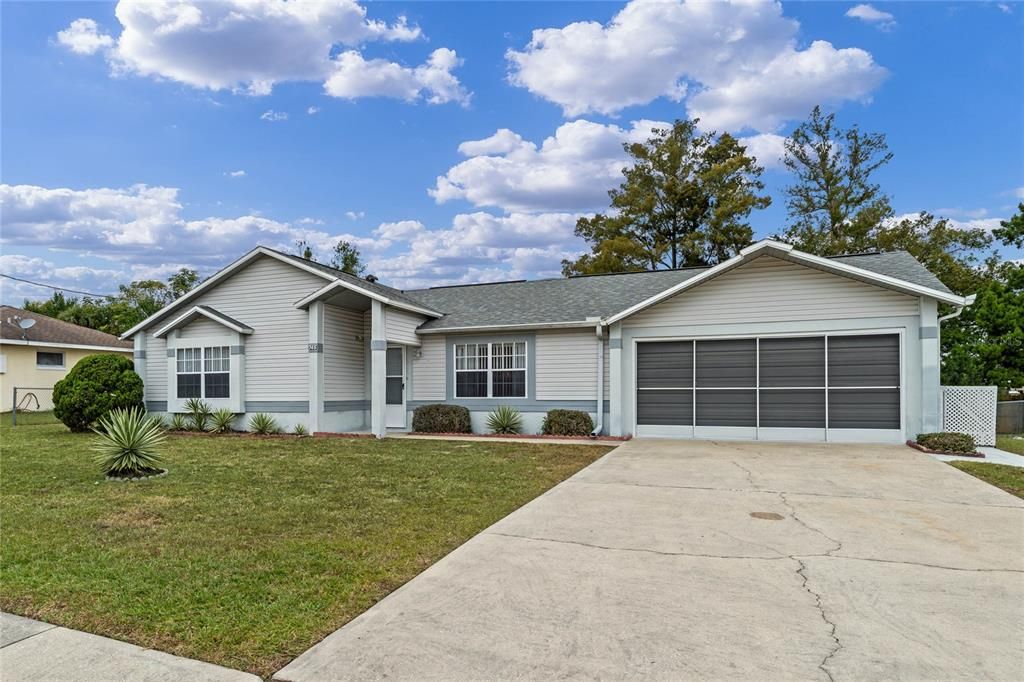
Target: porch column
[(615, 380), (316, 365), (378, 358), (139, 358), (931, 398)]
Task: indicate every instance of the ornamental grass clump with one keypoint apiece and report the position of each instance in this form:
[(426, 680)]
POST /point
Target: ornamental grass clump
[(505, 420), (127, 444)]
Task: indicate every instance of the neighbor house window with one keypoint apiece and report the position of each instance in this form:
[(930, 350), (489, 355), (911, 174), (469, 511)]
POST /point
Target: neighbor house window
[(204, 372), (49, 360), (490, 370)]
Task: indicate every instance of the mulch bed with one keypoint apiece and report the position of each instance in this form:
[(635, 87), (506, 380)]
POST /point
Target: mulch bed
[(918, 446), (617, 439)]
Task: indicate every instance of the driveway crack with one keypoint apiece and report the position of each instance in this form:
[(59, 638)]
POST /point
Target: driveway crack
[(636, 549), (837, 645), (813, 529), (748, 472)]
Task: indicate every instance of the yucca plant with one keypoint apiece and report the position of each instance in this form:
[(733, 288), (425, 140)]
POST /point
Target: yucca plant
[(223, 419), (300, 430), (263, 424), (199, 414), (178, 423), (505, 420), (127, 443)]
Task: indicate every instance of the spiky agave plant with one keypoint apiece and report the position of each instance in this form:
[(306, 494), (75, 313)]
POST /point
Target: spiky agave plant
[(505, 420), (300, 430), (263, 424), (127, 443), (178, 423), (223, 419), (199, 413)]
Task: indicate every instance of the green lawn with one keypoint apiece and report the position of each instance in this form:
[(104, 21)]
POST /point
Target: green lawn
[(251, 550), (1010, 479), (1011, 443)]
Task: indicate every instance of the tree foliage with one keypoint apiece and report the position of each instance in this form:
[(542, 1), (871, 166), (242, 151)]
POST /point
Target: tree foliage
[(684, 200), (834, 204), (346, 258), (92, 388), (116, 314), (1011, 232)]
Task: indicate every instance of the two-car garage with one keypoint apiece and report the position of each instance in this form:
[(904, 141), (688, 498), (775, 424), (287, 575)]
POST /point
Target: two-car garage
[(841, 387)]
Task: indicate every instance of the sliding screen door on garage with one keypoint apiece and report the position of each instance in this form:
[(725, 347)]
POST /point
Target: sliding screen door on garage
[(836, 387)]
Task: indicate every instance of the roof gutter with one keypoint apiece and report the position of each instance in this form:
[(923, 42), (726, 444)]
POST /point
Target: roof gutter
[(969, 300)]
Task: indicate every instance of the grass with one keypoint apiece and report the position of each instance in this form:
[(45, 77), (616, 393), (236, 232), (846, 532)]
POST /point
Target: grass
[(251, 550), (1011, 443), (1009, 478)]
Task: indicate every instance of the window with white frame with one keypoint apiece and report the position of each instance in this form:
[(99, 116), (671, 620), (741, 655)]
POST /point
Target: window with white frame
[(490, 370), (204, 372), (49, 360)]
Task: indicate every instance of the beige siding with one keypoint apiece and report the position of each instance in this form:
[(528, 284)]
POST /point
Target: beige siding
[(203, 326), (21, 372), (263, 296), (566, 365), (156, 367), (428, 370), (772, 290), (344, 354), (400, 326)]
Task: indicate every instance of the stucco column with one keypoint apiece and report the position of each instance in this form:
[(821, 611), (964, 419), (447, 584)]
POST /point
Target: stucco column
[(378, 358), (139, 357), (316, 364), (931, 397), (615, 396)]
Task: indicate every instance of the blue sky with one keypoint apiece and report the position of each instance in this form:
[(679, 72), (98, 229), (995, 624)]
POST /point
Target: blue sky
[(141, 137)]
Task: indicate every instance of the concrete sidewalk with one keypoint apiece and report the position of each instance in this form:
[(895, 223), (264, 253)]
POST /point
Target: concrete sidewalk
[(992, 456), (33, 650)]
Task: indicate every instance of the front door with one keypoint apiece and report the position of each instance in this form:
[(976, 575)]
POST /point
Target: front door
[(394, 394)]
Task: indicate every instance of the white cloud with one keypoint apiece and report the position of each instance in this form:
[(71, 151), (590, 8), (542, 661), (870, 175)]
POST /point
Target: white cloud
[(731, 55), (354, 76), (1019, 192), (987, 224), (767, 148), (249, 45), (868, 14), (570, 171), (83, 36), (355, 215), (235, 174), (272, 116), (312, 111)]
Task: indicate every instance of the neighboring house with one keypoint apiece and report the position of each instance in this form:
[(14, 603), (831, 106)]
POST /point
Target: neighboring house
[(36, 355), (771, 344)]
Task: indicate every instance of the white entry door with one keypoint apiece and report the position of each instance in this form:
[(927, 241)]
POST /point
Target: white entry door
[(394, 394)]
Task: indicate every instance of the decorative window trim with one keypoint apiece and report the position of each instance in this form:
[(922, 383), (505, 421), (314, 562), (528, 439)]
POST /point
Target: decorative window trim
[(211, 360), (63, 360), (510, 351)]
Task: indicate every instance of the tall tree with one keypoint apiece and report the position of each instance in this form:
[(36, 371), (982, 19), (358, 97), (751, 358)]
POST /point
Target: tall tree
[(834, 204), (303, 249), (684, 200), (347, 259), (1011, 232)]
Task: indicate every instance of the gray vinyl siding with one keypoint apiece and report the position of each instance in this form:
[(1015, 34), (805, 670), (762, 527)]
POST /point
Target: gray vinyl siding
[(566, 365), (769, 290), (428, 370), (156, 368), (203, 326), (263, 296), (400, 326), (344, 354)]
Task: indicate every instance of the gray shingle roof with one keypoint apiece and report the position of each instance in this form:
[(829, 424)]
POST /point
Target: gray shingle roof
[(226, 318), (51, 330), (575, 299)]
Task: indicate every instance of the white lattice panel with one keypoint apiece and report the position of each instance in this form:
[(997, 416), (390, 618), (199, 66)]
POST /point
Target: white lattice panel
[(970, 410)]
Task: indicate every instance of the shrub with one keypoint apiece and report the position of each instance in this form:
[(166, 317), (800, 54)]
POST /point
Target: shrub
[(567, 423), (505, 420), (441, 419), (96, 385), (223, 419), (300, 430), (199, 414), (947, 441), (263, 424), (178, 423), (127, 443)]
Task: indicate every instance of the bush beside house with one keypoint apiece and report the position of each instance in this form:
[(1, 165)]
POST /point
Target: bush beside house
[(947, 441), (94, 387), (567, 423), (441, 419)]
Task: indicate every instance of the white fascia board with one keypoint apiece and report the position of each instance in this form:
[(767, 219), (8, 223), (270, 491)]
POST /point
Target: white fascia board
[(196, 310), (216, 278), (342, 284), (793, 255), (52, 344), (518, 327)]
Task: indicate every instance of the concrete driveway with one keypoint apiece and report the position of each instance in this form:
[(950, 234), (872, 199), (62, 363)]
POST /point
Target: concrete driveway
[(671, 560)]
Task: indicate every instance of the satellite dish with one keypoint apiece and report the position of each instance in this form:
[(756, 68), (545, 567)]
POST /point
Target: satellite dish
[(26, 323)]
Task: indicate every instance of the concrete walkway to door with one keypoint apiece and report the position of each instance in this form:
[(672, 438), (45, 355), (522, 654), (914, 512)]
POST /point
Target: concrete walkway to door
[(672, 560)]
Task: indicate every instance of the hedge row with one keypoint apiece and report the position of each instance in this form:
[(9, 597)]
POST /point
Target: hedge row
[(455, 419)]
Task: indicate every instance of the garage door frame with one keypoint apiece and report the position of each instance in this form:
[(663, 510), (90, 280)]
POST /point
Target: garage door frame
[(758, 432)]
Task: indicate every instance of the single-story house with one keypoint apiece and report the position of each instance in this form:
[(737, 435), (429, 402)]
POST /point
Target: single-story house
[(771, 344), (36, 351)]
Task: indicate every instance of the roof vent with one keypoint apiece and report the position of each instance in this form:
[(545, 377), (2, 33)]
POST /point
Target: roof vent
[(371, 278)]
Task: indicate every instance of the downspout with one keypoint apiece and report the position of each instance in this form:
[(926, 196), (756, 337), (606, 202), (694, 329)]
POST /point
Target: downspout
[(959, 309), (968, 300), (599, 425)]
